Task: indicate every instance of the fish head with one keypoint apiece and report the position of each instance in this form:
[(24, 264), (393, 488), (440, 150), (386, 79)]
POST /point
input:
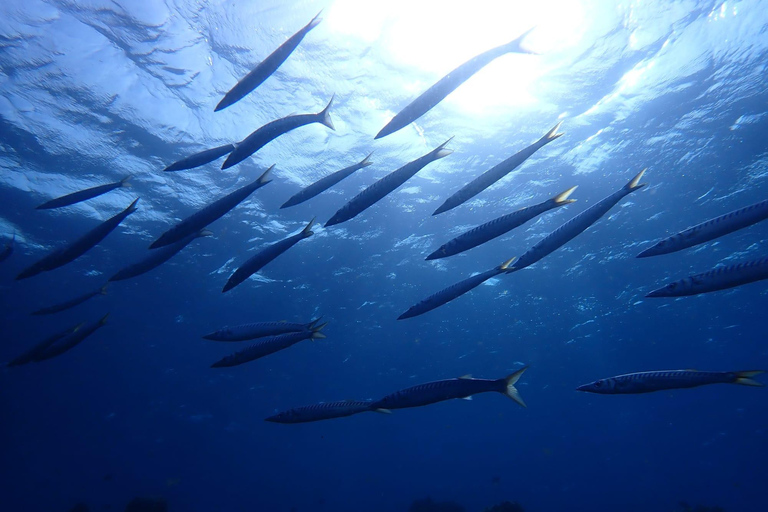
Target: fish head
[(283, 417), (669, 290), (602, 386)]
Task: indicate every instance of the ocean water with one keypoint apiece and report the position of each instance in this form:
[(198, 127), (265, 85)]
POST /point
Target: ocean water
[(92, 91)]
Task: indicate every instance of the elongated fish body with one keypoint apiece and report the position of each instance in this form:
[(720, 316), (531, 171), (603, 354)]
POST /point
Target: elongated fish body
[(266, 67), (79, 247), (323, 411), (647, 382), (496, 172), (446, 85), (325, 183), (83, 195), (214, 211), (201, 158), (273, 130), (449, 389), (385, 185), (709, 230), (268, 346), (499, 226), (454, 291), (575, 226), (720, 278), (7, 249), (31, 355), (258, 330), (264, 256), (71, 340), (157, 257), (71, 303)]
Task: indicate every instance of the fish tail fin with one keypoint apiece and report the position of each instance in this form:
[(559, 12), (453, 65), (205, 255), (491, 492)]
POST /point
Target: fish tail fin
[(266, 178), (552, 134), (510, 390), (634, 183), (440, 151), (124, 181), (314, 21), (562, 197), (325, 115), (366, 161), (132, 207), (515, 46), (307, 231), (316, 334), (745, 378), (381, 410), (504, 266), (313, 323), (204, 232), (103, 320), (103, 290)]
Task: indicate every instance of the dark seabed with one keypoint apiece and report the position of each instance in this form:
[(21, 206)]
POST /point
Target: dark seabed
[(93, 91)]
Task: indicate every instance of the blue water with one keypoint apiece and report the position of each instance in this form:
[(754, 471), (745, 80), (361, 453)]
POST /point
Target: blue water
[(93, 91)]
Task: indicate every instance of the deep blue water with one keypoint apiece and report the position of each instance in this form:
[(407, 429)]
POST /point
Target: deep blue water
[(93, 91)]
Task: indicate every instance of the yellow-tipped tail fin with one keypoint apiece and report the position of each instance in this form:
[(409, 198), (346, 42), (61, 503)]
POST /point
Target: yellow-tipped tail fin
[(506, 264), (511, 390), (634, 183), (552, 134), (745, 378), (266, 178), (562, 197)]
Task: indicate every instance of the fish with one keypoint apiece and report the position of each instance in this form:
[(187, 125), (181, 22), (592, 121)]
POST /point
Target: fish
[(446, 85), (201, 158), (496, 172), (709, 230), (264, 256), (324, 411), (719, 278), (575, 226), (32, 354), (325, 183), (385, 185), (84, 195), (71, 252), (258, 330), (272, 130), (102, 290), (449, 389), (157, 257), (454, 291), (266, 67), (499, 226), (7, 249), (647, 382), (202, 218), (270, 345), (70, 341)]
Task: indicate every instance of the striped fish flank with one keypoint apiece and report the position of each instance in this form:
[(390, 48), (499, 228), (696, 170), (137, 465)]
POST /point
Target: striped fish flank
[(258, 330), (719, 278), (268, 346), (648, 382), (324, 411), (710, 230)]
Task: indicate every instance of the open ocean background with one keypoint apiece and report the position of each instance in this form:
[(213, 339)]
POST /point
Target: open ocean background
[(94, 90)]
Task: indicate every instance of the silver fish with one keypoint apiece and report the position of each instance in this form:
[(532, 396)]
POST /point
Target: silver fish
[(32, 354), (647, 382), (157, 257), (268, 346), (84, 195), (201, 158), (324, 411), (325, 183), (719, 278), (258, 330), (71, 303), (70, 341)]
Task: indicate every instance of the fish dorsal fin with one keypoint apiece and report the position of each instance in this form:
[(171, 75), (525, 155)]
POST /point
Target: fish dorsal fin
[(467, 376)]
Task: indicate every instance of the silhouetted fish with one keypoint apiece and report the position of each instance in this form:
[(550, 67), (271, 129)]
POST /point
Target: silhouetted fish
[(647, 382), (79, 247), (449, 389), (325, 183), (31, 355), (273, 130), (709, 230), (496, 172), (447, 85), (201, 219), (497, 227), (719, 278), (7, 249), (385, 185), (456, 290), (324, 411), (71, 303), (258, 330), (574, 226), (266, 67), (70, 341), (84, 195), (268, 346), (157, 257), (264, 256), (201, 158)]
